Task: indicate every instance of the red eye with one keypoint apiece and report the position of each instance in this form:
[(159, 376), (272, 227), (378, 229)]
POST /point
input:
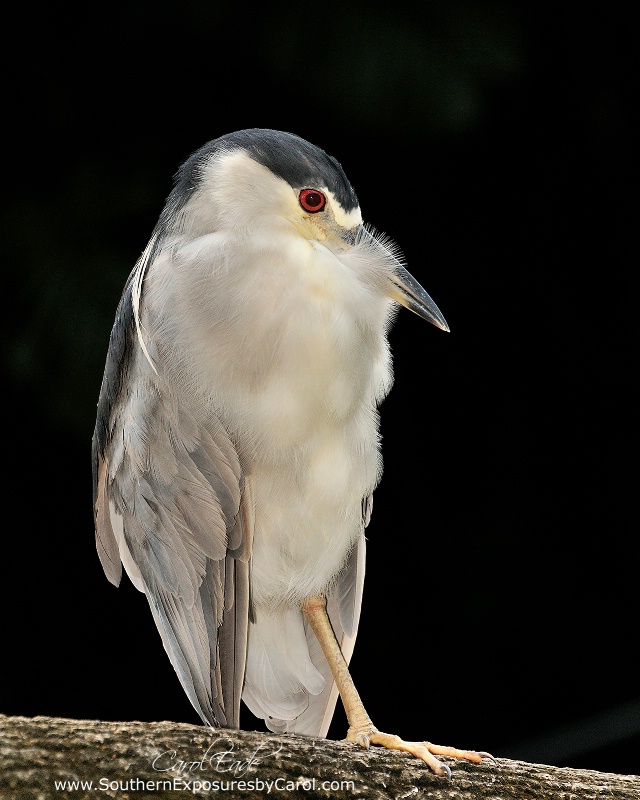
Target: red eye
[(312, 200)]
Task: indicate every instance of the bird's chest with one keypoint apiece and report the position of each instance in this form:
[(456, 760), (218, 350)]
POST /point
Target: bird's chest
[(304, 357)]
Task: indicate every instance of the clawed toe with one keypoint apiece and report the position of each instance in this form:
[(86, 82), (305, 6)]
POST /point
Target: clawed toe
[(362, 740), (426, 751), (453, 752)]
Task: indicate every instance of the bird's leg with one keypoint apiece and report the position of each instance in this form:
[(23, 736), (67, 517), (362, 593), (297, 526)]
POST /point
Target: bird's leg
[(361, 729)]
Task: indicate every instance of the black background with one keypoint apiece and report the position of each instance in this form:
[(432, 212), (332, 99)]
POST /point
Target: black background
[(493, 141)]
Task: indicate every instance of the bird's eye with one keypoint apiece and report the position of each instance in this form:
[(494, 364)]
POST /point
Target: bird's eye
[(312, 200)]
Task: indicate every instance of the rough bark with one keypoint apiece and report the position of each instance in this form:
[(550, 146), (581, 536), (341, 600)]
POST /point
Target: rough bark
[(185, 760)]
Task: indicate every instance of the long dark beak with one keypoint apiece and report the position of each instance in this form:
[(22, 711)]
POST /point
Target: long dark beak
[(405, 289)]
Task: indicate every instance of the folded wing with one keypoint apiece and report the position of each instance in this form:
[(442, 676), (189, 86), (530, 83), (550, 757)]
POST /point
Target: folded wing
[(171, 505)]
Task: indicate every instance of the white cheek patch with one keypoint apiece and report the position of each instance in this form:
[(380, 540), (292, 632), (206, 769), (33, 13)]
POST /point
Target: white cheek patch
[(346, 219)]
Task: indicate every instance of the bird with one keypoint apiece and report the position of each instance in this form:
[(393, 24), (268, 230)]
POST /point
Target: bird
[(237, 448)]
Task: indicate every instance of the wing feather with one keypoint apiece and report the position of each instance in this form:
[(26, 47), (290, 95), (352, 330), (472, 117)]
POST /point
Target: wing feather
[(171, 480), (106, 542)]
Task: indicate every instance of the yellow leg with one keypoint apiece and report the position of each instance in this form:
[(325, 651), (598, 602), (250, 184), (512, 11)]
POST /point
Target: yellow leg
[(361, 729)]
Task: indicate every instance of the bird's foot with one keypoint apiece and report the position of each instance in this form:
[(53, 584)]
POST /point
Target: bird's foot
[(368, 735)]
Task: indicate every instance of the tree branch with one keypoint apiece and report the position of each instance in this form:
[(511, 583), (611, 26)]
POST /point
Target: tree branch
[(172, 760)]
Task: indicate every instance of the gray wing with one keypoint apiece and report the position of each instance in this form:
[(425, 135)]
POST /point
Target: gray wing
[(171, 505)]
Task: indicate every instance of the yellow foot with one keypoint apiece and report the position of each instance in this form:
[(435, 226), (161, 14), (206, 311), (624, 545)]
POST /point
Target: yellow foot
[(424, 750)]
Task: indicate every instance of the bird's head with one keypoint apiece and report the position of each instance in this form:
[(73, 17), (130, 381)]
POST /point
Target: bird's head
[(260, 183)]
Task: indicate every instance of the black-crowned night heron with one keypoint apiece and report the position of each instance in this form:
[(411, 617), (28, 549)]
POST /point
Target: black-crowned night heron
[(236, 447)]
